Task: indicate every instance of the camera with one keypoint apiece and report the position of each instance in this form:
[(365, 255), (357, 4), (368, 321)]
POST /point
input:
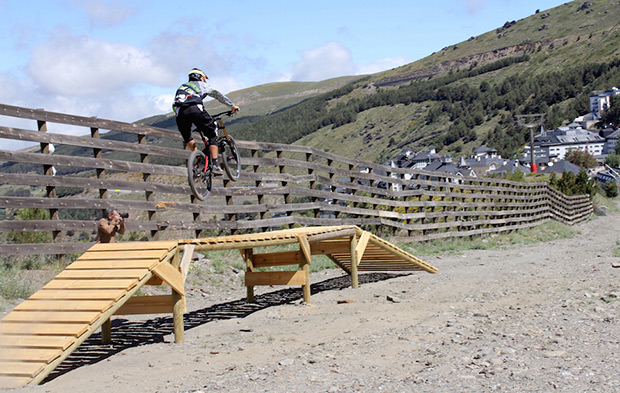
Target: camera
[(124, 215)]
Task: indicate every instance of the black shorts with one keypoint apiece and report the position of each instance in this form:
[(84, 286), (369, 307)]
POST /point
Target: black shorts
[(200, 118)]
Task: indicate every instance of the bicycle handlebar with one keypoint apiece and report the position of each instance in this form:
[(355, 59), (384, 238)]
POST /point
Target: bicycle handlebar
[(227, 113)]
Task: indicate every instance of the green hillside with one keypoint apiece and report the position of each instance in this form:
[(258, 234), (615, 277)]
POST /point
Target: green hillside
[(455, 99), (263, 100)]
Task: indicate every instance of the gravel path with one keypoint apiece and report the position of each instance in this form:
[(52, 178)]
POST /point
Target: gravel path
[(541, 318)]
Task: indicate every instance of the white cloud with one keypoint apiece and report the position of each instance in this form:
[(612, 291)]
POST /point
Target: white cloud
[(333, 60), (382, 65), (79, 65), (324, 62), (103, 14), (163, 103)]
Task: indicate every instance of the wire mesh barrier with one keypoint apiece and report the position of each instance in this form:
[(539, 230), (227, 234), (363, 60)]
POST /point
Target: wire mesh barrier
[(141, 170)]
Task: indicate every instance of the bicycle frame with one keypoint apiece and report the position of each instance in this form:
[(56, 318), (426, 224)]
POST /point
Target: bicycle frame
[(219, 126)]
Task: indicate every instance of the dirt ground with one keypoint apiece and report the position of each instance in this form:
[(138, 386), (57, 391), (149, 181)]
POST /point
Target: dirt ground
[(540, 318)]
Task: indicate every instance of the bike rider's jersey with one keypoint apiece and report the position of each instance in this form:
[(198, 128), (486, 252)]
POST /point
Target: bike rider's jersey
[(192, 93)]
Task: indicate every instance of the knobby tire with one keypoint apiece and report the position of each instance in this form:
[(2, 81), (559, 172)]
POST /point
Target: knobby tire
[(231, 159), (200, 181)]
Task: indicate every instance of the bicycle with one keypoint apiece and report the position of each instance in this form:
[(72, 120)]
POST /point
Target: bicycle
[(199, 164)]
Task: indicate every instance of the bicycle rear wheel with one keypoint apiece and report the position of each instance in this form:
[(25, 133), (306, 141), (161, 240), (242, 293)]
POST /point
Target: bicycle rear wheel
[(200, 180), (231, 159)]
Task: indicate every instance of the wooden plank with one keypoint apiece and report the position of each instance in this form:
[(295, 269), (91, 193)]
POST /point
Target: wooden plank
[(330, 247), (85, 162), (101, 273), (275, 278), (125, 255), (114, 264), (125, 284), (304, 246), (91, 329), (188, 252), (79, 294), (78, 182), (46, 225), (171, 275), (16, 368), (107, 144), (30, 341), (60, 305), (83, 121), (58, 316), (165, 245), (44, 355), (44, 329), (361, 246), (43, 248), (156, 304), (282, 258), (403, 254), (12, 382), (155, 281)]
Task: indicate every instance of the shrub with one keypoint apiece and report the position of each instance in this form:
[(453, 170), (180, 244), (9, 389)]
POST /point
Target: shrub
[(611, 189)]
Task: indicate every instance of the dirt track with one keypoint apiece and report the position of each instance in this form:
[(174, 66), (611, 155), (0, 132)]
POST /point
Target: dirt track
[(541, 318)]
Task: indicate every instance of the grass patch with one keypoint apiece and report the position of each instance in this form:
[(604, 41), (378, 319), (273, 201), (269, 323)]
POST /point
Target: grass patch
[(616, 251), (14, 284), (546, 232), (608, 203)]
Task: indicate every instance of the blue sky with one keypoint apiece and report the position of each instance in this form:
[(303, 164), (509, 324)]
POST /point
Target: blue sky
[(123, 60)]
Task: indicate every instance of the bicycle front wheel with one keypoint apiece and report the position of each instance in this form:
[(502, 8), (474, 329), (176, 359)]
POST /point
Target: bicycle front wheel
[(231, 159), (199, 177)]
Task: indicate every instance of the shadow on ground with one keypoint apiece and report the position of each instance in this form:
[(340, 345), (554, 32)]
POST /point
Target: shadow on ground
[(128, 334)]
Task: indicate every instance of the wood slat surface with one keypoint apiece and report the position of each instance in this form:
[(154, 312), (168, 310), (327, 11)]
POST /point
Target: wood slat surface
[(30, 341), (44, 329), (79, 294), (91, 284), (78, 274), (134, 246), (114, 264), (20, 368), (44, 355), (60, 305), (12, 382), (121, 255), (58, 316)]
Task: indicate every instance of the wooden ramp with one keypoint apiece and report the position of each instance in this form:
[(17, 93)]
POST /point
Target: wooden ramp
[(42, 331), (343, 244)]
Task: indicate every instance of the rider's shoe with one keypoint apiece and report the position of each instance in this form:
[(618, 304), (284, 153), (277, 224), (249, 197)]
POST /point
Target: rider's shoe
[(217, 171)]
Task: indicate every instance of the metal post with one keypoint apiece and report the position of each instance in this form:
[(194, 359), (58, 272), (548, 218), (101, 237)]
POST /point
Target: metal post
[(531, 121)]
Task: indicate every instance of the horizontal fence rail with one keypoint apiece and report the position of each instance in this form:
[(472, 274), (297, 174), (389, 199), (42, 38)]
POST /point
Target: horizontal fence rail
[(141, 170)]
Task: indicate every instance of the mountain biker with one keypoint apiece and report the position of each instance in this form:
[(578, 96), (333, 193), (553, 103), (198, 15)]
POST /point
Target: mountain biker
[(189, 109)]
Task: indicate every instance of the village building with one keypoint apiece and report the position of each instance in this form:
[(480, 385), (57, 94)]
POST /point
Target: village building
[(555, 144), (600, 101)]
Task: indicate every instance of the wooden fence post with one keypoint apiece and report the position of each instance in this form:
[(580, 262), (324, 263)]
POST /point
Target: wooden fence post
[(50, 191), (287, 196), (258, 184), (232, 217), (312, 186), (146, 177), (178, 307)]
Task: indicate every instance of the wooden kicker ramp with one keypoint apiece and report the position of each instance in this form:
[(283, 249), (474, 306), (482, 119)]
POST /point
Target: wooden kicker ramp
[(41, 332)]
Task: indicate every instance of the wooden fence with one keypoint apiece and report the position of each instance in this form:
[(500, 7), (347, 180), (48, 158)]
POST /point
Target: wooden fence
[(141, 170)]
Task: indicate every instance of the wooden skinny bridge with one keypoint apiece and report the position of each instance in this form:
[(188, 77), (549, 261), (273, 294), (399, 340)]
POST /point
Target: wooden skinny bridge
[(40, 333)]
